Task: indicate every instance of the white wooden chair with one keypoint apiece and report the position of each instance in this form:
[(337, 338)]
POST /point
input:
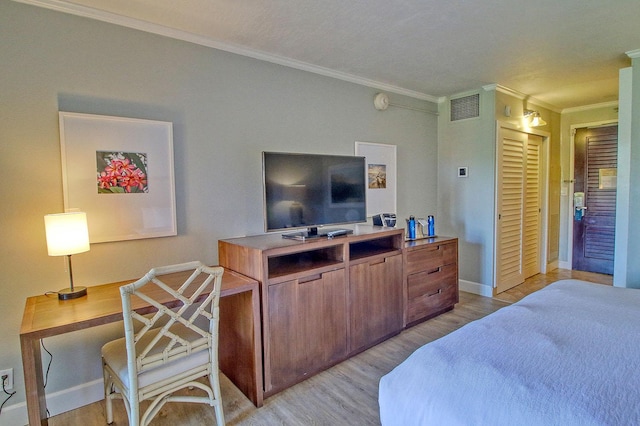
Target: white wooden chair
[(169, 349)]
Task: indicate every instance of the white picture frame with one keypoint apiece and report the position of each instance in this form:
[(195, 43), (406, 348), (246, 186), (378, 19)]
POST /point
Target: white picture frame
[(379, 159), (120, 172)]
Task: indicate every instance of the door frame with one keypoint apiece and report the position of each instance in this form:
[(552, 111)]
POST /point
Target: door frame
[(571, 180), (544, 189)]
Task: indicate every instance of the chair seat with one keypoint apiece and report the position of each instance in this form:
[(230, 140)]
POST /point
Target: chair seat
[(114, 354)]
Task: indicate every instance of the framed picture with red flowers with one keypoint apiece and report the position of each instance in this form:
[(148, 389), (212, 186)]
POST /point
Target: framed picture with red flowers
[(120, 172)]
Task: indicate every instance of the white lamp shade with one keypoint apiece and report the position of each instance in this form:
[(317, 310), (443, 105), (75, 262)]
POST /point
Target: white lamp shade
[(67, 233), (537, 121)]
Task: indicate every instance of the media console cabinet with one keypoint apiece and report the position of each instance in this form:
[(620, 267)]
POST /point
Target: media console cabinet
[(324, 300)]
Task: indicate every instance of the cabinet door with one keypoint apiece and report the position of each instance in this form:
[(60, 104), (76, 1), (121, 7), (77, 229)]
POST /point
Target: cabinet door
[(307, 327), (376, 301)]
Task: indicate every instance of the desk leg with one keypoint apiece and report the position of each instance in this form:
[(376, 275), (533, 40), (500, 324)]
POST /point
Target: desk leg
[(34, 381), (240, 346)]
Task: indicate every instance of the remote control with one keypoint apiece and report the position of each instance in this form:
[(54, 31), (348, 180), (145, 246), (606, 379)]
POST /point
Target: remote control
[(337, 233)]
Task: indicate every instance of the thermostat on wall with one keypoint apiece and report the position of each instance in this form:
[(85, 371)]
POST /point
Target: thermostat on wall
[(463, 171)]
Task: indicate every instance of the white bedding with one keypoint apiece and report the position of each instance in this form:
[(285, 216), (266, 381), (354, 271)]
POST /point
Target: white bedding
[(568, 354)]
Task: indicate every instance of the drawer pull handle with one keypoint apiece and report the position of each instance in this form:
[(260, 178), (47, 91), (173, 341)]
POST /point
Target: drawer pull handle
[(433, 271), (378, 262), (436, 293), (309, 278)]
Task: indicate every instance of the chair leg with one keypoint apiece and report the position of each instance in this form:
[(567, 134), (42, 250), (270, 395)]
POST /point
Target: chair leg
[(217, 394), (108, 401), (219, 414)]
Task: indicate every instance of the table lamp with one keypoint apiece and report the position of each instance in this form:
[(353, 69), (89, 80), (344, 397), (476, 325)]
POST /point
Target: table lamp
[(67, 234)]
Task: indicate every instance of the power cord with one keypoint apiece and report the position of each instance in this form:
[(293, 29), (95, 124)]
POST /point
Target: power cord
[(4, 389), (46, 374), (46, 378)]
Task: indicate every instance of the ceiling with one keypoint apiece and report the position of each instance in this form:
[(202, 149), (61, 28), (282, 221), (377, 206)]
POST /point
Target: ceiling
[(561, 53)]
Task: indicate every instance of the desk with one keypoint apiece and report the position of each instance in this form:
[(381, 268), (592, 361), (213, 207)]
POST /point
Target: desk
[(240, 348)]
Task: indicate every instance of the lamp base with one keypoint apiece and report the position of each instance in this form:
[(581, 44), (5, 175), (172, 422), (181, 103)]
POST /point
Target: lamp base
[(68, 293)]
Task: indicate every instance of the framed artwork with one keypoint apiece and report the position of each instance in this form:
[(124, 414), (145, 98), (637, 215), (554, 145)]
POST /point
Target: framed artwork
[(380, 161), (120, 172)]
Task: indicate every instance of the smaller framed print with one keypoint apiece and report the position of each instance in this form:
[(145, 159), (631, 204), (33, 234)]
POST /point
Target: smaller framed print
[(120, 172), (463, 172), (380, 164)]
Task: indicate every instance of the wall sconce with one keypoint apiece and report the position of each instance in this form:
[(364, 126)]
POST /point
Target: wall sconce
[(534, 117), (67, 234)]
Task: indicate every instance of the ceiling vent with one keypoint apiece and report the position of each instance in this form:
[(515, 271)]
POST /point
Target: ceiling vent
[(465, 107)]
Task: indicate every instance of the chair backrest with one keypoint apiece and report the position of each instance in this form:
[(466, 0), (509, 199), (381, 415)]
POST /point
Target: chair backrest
[(181, 296)]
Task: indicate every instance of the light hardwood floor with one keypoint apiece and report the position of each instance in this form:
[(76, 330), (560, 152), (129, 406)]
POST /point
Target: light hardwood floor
[(346, 394), (538, 281)]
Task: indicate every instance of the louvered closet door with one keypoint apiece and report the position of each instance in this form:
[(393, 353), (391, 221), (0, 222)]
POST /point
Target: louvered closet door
[(511, 173), (519, 203), (531, 220)]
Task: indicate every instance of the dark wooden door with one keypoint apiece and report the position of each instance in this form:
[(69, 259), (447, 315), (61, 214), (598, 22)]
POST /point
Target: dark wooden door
[(595, 171)]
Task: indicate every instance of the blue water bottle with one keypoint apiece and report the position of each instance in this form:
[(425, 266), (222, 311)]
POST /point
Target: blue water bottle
[(411, 225), (431, 225)]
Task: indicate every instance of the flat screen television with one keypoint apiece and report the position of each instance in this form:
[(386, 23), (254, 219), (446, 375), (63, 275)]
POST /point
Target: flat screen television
[(312, 190)]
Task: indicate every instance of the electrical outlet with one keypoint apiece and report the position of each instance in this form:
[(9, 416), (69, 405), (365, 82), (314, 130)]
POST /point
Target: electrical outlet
[(7, 381)]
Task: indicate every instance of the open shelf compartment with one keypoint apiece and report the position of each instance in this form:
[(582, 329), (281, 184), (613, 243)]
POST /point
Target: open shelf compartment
[(293, 263), (375, 246)]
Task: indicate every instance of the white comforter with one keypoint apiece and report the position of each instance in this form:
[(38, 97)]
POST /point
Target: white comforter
[(566, 355)]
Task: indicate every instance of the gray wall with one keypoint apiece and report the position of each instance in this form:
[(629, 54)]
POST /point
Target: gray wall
[(225, 109), (466, 205), (627, 267), (633, 249)]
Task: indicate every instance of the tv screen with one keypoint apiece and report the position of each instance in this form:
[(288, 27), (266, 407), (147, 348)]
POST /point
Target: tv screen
[(311, 190)]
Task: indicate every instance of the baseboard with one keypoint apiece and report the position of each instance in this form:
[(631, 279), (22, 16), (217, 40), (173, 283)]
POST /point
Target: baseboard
[(564, 265), (475, 288), (57, 402)]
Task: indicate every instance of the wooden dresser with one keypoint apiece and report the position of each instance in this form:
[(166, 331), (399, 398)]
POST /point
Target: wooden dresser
[(430, 272), (324, 300)]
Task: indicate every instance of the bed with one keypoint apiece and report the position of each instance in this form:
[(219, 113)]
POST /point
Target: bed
[(568, 354)]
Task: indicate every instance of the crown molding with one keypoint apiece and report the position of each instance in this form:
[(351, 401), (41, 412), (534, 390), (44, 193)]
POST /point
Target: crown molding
[(113, 18), (521, 96), (611, 104), (633, 54)]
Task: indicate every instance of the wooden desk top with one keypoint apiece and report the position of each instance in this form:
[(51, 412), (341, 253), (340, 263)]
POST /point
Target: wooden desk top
[(46, 316)]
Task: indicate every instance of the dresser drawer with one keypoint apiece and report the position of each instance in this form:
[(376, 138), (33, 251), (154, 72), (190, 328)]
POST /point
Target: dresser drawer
[(431, 256), (431, 291), (430, 281)]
